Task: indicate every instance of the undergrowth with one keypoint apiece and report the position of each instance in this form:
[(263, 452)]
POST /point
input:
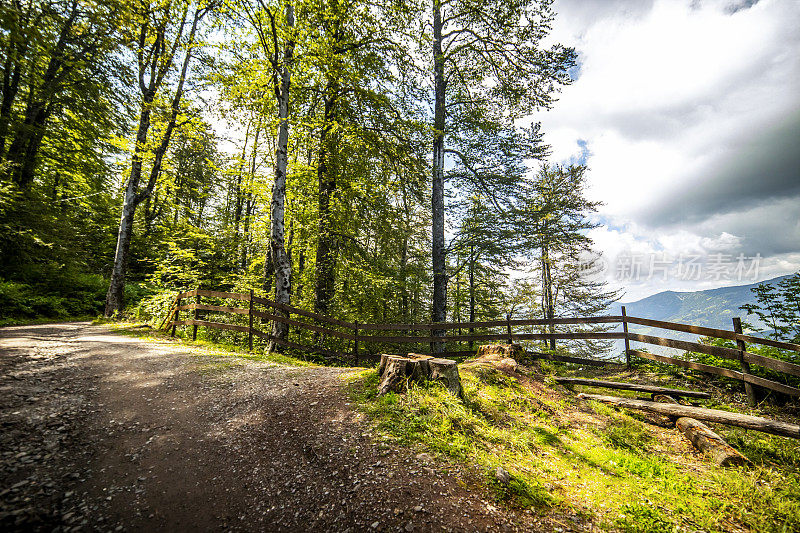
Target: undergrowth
[(590, 459)]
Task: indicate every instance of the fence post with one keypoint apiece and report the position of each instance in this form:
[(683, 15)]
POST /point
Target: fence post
[(355, 343), (250, 323), (748, 387), (194, 328), (627, 342), (177, 315), (508, 328)]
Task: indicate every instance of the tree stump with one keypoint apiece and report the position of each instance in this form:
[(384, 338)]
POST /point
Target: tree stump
[(446, 371), (397, 370), (499, 356), (514, 351)]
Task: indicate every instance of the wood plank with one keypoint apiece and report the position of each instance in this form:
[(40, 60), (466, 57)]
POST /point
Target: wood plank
[(774, 385), (491, 323), (303, 325), (774, 364), (769, 342), (493, 337), (634, 387), (575, 360), (208, 324), (735, 374), (718, 351), (756, 423), (217, 308), (713, 332), (303, 312), (726, 372), (228, 295), (187, 294)]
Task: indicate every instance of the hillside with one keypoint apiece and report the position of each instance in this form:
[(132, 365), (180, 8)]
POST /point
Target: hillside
[(712, 308)]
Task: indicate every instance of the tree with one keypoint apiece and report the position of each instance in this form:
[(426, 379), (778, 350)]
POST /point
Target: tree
[(487, 65), (552, 223), (778, 307), (277, 37), (53, 51), (158, 36)]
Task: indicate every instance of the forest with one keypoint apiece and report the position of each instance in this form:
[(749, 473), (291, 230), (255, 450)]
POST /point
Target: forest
[(370, 161)]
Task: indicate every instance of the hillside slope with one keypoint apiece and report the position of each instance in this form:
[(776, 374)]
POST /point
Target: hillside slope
[(711, 308)]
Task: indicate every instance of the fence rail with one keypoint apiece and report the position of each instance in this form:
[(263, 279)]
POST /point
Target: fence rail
[(355, 334)]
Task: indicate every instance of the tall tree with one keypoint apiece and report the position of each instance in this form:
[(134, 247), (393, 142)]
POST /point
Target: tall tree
[(552, 220), (487, 61), (274, 25), (163, 31)]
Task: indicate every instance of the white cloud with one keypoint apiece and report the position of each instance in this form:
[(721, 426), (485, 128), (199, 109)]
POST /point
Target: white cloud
[(675, 97)]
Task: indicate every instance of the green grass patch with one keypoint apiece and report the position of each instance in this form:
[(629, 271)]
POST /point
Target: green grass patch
[(601, 462), (205, 344)]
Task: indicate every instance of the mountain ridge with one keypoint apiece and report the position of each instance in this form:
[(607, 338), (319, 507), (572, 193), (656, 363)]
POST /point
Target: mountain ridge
[(713, 308)]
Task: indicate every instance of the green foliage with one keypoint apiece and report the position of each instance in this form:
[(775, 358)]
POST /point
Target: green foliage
[(58, 294), (778, 307)]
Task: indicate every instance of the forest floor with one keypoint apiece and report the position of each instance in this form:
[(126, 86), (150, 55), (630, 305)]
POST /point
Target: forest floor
[(102, 431)]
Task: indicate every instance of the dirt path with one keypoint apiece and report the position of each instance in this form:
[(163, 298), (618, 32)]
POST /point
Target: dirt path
[(105, 432)]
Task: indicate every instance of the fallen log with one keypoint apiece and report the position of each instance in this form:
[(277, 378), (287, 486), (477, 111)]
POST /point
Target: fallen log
[(756, 423), (633, 386), (704, 438)]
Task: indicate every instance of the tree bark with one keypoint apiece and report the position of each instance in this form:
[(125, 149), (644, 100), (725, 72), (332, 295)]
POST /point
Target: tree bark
[(279, 259), (547, 294), (326, 178), (133, 197), (439, 308), (700, 413), (471, 289)]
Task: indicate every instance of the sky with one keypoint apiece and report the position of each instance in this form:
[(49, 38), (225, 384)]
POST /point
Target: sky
[(687, 114)]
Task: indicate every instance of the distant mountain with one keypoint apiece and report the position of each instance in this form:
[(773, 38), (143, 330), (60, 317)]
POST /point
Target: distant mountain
[(711, 308)]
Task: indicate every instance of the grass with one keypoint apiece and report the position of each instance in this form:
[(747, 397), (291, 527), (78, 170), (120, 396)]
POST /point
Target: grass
[(615, 469), (205, 344)]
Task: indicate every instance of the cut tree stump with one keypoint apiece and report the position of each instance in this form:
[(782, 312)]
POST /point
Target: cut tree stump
[(704, 438), (446, 371), (756, 423), (632, 386), (514, 351), (397, 370)]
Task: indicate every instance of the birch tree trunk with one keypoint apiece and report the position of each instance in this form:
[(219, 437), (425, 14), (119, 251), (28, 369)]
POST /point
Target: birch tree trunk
[(278, 259), (133, 197)]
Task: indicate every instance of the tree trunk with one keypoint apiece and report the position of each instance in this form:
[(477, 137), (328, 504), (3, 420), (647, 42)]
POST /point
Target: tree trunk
[(439, 308), (116, 288), (547, 294), (133, 197), (326, 177), (115, 301), (279, 258), (700, 413), (471, 289)]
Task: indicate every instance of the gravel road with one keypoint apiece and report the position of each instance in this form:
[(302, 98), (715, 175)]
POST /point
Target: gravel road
[(104, 432)]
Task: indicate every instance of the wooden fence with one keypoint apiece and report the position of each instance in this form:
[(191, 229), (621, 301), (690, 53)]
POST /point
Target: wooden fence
[(357, 336)]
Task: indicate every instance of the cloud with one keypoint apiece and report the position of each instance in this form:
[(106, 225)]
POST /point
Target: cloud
[(688, 116)]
